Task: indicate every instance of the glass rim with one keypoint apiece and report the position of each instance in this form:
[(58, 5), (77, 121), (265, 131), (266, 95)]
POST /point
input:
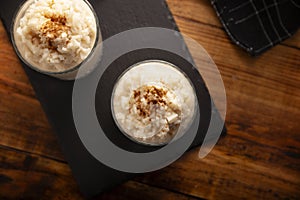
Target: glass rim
[(139, 140)]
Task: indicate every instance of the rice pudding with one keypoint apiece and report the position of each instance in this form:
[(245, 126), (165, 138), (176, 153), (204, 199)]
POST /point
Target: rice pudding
[(152, 102), (55, 35)]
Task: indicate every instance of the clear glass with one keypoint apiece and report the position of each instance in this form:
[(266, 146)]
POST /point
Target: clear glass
[(116, 98), (87, 65)]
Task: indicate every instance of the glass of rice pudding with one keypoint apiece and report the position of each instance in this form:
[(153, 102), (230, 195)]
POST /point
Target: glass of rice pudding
[(152, 102), (57, 37)]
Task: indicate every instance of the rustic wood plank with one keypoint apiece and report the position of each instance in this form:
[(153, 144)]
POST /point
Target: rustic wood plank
[(228, 173), (32, 177), (19, 129), (222, 176), (27, 176), (135, 191), (201, 11)]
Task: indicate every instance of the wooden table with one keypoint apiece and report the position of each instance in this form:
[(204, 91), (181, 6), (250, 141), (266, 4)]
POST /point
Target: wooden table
[(259, 158)]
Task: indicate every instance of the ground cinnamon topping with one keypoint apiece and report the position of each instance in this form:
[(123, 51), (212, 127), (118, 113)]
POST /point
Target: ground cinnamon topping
[(147, 96), (53, 29), (51, 4), (153, 106)]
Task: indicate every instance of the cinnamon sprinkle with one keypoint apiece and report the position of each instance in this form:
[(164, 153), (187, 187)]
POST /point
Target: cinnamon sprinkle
[(147, 96), (53, 29)]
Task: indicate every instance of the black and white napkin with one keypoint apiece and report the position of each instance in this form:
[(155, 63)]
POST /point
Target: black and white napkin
[(258, 25)]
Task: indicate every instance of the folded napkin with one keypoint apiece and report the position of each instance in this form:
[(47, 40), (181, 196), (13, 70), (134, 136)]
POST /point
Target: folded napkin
[(258, 25)]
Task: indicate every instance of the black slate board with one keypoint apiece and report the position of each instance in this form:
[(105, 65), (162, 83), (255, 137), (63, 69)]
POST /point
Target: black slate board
[(55, 95)]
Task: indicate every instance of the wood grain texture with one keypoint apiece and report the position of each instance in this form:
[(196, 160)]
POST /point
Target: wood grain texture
[(258, 159), (201, 11)]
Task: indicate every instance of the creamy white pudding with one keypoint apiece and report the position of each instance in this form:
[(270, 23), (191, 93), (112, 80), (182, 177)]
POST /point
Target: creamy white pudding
[(152, 102), (55, 35)]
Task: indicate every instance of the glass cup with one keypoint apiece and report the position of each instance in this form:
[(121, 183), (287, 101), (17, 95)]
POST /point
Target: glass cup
[(70, 72), (163, 76)]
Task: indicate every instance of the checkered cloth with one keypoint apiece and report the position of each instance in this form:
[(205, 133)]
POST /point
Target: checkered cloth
[(258, 25)]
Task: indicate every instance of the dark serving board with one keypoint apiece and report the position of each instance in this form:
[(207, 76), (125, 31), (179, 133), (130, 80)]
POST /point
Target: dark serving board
[(56, 95)]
